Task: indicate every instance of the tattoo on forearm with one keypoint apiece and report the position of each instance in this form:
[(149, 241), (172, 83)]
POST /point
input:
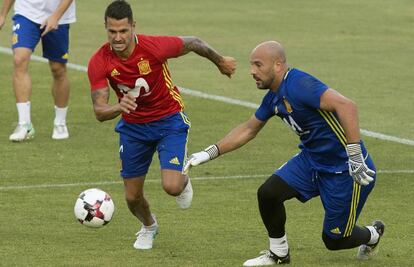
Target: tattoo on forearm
[(201, 48), (100, 96)]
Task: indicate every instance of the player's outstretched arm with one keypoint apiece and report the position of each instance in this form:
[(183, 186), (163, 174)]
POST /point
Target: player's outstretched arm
[(347, 113), (236, 138), (226, 65), (104, 111)]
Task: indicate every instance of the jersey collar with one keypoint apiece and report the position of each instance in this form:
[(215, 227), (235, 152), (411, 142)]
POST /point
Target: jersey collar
[(286, 74)]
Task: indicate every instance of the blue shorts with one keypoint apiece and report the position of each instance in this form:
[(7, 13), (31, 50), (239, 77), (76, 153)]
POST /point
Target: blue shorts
[(26, 33), (342, 199), (138, 142)]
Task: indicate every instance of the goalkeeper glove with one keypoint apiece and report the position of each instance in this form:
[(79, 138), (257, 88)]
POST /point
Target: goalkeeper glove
[(357, 167), (201, 157)]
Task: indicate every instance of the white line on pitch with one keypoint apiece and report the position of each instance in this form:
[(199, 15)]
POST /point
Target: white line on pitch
[(118, 182), (227, 100), (395, 171), (18, 187)]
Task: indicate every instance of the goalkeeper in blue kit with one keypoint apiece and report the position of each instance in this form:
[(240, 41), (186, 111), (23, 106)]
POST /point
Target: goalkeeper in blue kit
[(333, 162)]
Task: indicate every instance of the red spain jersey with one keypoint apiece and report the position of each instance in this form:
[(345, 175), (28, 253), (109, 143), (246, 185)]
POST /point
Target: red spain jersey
[(144, 74)]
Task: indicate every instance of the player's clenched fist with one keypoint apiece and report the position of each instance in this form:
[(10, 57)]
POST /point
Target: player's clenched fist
[(227, 66), (127, 103)]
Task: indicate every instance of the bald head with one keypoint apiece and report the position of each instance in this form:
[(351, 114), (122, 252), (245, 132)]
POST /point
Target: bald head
[(272, 50), (268, 65)]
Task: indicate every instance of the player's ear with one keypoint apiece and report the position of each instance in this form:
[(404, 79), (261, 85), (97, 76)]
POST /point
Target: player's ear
[(277, 64)]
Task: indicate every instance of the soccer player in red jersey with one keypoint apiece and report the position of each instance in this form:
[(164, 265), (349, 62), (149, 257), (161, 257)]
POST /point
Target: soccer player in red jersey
[(152, 119)]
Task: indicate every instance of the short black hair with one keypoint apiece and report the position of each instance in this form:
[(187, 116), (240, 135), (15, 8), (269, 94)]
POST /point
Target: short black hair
[(119, 9)]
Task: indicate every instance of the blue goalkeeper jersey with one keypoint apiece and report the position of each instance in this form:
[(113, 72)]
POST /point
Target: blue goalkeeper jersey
[(297, 103)]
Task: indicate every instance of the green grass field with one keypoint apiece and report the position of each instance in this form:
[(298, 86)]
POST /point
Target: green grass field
[(361, 48)]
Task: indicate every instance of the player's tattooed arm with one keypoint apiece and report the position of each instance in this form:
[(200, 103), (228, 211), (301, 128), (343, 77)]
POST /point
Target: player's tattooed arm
[(226, 65), (198, 46), (103, 111)]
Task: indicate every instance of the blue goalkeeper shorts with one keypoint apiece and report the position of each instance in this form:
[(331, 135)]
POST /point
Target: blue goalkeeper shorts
[(55, 43), (139, 141), (342, 198)]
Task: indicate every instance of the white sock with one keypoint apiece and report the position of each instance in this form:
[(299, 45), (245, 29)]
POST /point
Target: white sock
[(23, 110), (279, 246), (60, 115), (374, 235), (153, 226)]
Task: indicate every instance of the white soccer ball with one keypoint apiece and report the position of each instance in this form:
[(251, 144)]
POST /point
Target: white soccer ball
[(94, 208)]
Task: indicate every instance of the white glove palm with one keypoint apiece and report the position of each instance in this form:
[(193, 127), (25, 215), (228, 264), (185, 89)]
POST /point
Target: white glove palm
[(357, 167), (201, 157)]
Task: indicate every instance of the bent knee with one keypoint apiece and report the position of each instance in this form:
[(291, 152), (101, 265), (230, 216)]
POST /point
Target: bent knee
[(173, 183), (263, 192), (133, 197), (173, 189), (269, 191), (332, 244)]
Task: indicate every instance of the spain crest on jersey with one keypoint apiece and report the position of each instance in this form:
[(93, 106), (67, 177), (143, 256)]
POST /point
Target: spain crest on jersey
[(144, 67), (15, 38), (115, 72), (287, 105)]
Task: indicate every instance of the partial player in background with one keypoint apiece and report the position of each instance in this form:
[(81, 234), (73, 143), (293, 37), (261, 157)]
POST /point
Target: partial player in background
[(333, 162), (46, 20), (150, 105)]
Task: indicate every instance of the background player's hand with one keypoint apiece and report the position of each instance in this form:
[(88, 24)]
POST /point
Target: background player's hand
[(50, 24), (2, 21), (357, 167), (211, 152), (127, 103), (227, 66)]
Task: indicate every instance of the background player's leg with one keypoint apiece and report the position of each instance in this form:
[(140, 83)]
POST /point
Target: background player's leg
[(60, 92), (55, 46), (22, 86), (60, 85), (22, 83)]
